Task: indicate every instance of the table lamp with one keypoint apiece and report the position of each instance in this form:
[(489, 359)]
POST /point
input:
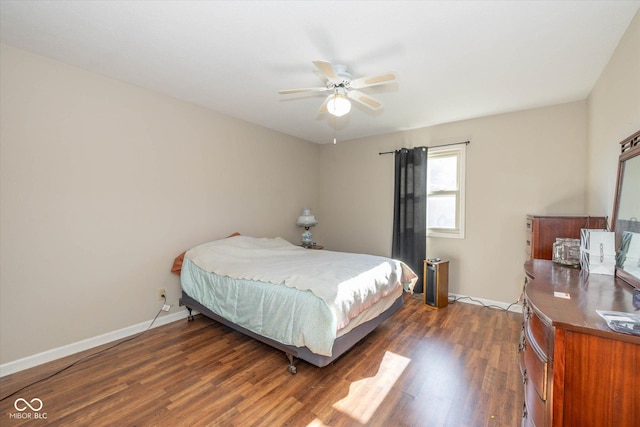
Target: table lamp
[(306, 220)]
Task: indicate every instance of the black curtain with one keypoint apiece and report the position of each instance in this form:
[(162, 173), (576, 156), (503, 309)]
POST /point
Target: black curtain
[(410, 210)]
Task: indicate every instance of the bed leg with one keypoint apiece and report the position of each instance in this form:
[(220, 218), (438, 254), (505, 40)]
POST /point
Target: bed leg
[(291, 368), (190, 317)]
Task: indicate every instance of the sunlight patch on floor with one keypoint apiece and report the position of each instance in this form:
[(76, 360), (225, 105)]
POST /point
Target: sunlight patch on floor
[(367, 394), (316, 423)]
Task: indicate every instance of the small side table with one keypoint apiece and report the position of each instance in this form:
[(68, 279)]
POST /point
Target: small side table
[(436, 283)]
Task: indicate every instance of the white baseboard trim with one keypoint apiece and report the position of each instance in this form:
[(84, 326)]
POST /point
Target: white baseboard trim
[(517, 308), (67, 350)]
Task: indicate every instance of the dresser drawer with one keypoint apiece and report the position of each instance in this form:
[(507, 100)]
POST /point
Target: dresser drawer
[(521, 345), (534, 408), (535, 369), (539, 333), (529, 241)]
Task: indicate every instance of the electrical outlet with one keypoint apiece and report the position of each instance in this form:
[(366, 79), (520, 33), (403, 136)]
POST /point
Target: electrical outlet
[(161, 294)]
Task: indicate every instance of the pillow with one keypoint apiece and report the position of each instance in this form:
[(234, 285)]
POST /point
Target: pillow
[(177, 263)]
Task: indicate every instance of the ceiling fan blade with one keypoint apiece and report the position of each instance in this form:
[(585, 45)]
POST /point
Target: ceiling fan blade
[(373, 80), (307, 89), (364, 99), (328, 70)]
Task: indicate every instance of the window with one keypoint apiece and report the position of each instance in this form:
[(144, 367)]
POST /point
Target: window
[(445, 191)]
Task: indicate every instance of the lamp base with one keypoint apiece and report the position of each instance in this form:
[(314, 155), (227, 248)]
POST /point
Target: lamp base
[(307, 238)]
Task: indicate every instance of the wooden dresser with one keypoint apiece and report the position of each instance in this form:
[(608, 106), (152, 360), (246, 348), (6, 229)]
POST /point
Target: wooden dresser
[(576, 371), (542, 231)]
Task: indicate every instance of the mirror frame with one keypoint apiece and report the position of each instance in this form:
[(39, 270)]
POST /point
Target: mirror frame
[(630, 148)]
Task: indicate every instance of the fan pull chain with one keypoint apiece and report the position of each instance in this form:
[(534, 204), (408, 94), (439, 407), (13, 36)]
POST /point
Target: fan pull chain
[(334, 130)]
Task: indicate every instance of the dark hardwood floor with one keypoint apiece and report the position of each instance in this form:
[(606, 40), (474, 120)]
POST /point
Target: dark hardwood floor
[(455, 366)]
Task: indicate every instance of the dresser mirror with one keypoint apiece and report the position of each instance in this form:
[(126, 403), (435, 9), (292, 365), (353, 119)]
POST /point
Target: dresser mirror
[(626, 212)]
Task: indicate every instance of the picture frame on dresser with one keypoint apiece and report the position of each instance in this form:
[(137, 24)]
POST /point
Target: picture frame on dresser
[(626, 211)]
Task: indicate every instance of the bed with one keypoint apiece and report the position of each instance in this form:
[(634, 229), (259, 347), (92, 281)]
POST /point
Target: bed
[(313, 305)]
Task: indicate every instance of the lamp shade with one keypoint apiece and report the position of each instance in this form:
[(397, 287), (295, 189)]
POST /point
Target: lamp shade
[(339, 105), (306, 219)]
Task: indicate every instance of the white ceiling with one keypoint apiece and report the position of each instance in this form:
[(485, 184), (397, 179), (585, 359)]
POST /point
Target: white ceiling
[(454, 59)]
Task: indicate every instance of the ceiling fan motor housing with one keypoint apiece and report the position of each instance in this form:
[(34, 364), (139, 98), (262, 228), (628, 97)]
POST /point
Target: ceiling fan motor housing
[(343, 77)]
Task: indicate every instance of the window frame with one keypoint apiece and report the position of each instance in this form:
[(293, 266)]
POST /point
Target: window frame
[(458, 151)]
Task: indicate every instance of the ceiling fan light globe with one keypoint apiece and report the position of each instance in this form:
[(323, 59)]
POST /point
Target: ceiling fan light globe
[(338, 106)]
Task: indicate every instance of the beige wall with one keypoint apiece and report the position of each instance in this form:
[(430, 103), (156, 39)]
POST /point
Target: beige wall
[(613, 115), (525, 162), (102, 184)]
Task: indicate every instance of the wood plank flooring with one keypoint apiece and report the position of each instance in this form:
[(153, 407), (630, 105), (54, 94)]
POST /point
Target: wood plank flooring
[(455, 366)]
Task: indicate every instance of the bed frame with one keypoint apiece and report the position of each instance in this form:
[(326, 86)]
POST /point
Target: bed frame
[(341, 345)]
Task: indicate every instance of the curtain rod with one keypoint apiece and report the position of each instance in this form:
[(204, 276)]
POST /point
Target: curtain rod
[(435, 146)]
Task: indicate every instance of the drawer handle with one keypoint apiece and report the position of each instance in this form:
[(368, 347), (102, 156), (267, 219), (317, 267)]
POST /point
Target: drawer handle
[(528, 242), (522, 346), (524, 376), (524, 410)]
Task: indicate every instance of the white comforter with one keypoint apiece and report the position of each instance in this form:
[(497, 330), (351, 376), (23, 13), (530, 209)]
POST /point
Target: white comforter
[(347, 283)]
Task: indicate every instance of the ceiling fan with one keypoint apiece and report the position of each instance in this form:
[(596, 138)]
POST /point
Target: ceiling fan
[(342, 88)]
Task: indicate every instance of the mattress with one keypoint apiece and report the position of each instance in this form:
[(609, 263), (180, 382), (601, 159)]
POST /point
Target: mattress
[(296, 305)]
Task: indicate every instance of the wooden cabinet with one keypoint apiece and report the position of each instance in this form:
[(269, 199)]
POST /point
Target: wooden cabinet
[(576, 371), (542, 231)]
